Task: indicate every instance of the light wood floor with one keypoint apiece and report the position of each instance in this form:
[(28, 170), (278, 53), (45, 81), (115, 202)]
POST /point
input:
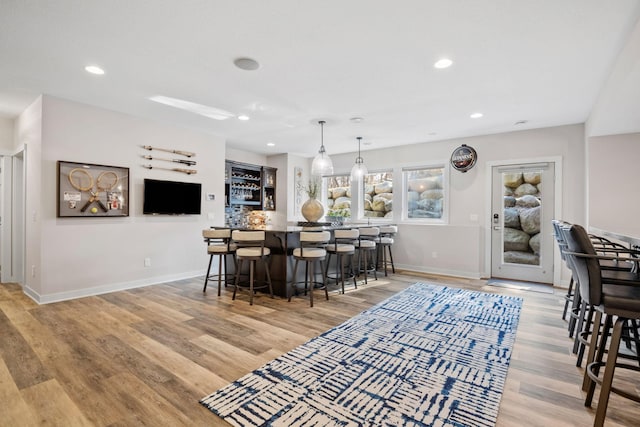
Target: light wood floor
[(146, 356)]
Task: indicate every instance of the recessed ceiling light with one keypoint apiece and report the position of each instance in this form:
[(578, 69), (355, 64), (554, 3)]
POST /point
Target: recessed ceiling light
[(356, 119), (443, 63), (520, 122), (247, 64), (192, 107), (271, 144), (94, 69), (243, 117), (476, 115)]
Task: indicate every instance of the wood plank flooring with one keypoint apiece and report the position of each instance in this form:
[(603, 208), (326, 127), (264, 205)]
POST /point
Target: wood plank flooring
[(146, 356)]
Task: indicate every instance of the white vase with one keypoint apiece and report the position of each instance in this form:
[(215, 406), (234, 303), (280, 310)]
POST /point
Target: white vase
[(312, 210)]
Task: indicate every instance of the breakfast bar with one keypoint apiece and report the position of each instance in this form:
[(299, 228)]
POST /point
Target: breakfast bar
[(282, 239)]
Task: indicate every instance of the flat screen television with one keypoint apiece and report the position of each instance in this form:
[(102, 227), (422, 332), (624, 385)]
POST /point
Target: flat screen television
[(171, 197)]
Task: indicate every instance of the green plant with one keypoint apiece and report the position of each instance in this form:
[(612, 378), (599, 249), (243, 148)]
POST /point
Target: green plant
[(312, 189), (342, 212)]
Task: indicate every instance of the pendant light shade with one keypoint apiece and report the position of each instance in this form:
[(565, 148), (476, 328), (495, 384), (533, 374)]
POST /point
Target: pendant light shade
[(359, 170), (322, 164)]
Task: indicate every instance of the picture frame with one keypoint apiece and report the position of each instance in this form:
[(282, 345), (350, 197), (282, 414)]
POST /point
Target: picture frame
[(87, 190)]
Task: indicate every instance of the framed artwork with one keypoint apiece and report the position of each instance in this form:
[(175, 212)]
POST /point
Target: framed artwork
[(90, 190)]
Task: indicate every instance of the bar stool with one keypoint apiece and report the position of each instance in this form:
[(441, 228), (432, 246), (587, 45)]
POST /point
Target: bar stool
[(311, 250), (385, 241), (620, 301), (250, 247), (342, 246), (219, 244), (366, 245)]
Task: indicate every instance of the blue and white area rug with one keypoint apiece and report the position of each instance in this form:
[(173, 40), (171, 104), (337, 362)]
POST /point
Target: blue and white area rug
[(428, 356)]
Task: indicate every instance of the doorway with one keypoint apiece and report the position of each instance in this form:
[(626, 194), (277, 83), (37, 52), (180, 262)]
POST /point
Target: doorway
[(12, 211), (522, 206)]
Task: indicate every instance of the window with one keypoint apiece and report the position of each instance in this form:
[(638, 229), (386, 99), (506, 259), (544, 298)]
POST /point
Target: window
[(378, 195), (425, 198), (338, 200)]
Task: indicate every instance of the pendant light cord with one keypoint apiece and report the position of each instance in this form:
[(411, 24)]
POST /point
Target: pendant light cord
[(322, 150), (359, 159)]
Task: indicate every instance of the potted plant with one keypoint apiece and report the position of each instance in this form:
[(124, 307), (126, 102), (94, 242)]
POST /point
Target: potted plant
[(336, 216), (312, 210)]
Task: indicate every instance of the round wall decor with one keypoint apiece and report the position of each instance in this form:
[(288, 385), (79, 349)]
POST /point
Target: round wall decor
[(463, 158)]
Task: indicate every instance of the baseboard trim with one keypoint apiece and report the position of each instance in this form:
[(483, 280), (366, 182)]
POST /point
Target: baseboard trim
[(438, 271), (105, 289)]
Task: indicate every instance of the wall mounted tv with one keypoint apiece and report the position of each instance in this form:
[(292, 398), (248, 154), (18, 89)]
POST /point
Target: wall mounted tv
[(171, 197)]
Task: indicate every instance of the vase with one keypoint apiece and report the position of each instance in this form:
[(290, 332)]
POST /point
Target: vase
[(312, 210)]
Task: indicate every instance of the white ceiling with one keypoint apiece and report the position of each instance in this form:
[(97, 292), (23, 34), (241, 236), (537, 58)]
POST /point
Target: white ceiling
[(543, 61)]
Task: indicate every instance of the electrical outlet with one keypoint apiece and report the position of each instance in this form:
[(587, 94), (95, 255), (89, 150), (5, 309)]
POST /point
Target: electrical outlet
[(33, 271), (147, 262)]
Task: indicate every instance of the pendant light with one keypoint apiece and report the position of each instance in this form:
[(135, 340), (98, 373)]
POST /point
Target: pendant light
[(322, 164), (359, 170)]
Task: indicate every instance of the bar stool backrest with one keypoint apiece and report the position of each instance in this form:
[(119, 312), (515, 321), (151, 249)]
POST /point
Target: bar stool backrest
[(252, 238), (559, 235), (346, 234), (315, 236), (585, 268), (221, 234), (388, 230), (248, 236), (369, 232)]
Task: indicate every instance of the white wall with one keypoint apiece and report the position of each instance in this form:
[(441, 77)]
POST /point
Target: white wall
[(613, 202), (617, 108), (245, 157), (81, 256), (460, 244), (29, 134), (6, 135)]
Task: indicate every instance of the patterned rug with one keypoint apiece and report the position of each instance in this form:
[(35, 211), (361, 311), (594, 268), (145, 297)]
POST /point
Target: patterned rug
[(427, 356)]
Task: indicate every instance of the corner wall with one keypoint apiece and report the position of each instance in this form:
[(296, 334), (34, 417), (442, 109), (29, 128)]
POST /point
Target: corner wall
[(82, 256)]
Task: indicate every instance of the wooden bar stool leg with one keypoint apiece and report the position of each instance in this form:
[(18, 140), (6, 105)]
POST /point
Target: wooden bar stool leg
[(266, 270), (220, 272), (251, 268), (351, 259), (311, 278), (237, 282), (607, 379), (324, 281), (206, 278), (593, 346), (292, 286), (341, 261)]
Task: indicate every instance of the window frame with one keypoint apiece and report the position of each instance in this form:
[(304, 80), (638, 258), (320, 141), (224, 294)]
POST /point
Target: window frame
[(444, 219), (360, 192)]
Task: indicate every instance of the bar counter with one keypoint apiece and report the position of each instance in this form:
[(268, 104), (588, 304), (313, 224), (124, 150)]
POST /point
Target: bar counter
[(282, 239)]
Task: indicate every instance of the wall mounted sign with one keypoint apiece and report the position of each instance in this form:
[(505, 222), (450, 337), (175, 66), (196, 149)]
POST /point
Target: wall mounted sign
[(463, 158)]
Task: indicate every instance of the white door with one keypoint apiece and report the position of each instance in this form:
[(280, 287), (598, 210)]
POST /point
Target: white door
[(522, 209)]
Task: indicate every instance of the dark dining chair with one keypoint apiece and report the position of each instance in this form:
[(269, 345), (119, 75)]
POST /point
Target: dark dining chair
[(618, 300)]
